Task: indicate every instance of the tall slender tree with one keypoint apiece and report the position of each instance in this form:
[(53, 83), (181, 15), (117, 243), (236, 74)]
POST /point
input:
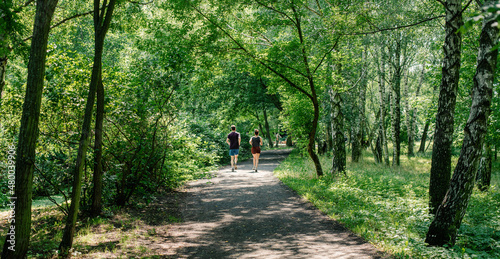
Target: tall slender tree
[(382, 131), (423, 139), (102, 20), (359, 121), (443, 135), (398, 59), (413, 118), (449, 215), (337, 122), (96, 206), (17, 247)]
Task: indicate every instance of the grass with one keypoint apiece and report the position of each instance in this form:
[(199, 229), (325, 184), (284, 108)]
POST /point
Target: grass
[(388, 206), (40, 202), (135, 231)]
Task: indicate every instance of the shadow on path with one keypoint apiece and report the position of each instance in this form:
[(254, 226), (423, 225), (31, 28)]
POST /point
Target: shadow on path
[(244, 214)]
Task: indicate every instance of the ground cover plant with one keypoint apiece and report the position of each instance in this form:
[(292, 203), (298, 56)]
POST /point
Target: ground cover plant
[(388, 206), (134, 231)]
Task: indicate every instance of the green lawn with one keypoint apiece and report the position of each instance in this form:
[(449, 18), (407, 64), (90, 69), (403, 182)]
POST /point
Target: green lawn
[(388, 205)]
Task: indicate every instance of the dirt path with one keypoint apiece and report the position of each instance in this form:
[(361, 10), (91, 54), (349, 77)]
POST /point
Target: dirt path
[(244, 214)]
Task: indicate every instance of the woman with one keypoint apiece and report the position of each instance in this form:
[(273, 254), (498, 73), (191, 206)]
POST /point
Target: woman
[(256, 142)]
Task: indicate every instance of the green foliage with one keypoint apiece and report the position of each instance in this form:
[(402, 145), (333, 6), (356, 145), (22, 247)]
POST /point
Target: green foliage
[(389, 207), (297, 117), (175, 82)]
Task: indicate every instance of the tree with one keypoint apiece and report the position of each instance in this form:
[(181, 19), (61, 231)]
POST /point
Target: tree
[(96, 208), (382, 132), (336, 119), (102, 21), (25, 160), (443, 135), (359, 119), (413, 117), (423, 139), (398, 60), (339, 153), (449, 215)]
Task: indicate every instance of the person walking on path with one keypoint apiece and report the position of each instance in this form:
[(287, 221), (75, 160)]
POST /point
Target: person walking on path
[(234, 140), (256, 142)]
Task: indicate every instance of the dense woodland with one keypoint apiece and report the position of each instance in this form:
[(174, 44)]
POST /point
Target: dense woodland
[(114, 101)]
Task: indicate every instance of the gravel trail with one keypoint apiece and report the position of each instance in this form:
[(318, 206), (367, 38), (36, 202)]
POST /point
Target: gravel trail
[(247, 214)]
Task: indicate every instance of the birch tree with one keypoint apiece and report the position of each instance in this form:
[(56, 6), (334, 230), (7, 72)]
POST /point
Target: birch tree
[(412, 118), (449, 214), (443, 135)]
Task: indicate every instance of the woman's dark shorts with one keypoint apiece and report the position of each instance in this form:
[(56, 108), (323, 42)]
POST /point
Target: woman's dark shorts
[(255, 150)]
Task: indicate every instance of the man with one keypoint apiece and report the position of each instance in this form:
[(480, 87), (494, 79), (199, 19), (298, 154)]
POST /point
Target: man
[(234, 140)]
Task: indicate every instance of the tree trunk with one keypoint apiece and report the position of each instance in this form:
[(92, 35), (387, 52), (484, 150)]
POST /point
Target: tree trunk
[(96, 207), (359, 124), (339, 152), (406, 96), (289, 141), (101, 25), (377, 153), (421, 149), (356, 141), (258, 119), (312, 96), (16, 246), (312, 134), (443, 135), (329, 133), (483, 177), (382, 133), (449, 215), (396, 91), (268, 133), (411, 131)]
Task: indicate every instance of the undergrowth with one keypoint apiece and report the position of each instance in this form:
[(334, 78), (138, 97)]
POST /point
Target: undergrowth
[(388, 206)]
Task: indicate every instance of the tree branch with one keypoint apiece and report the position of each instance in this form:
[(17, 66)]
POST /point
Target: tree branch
[(70, 18), (328, 52), (28, 3), (64, 210), (312, 10), (264, 38), (63, 21), (396, 27), (139, 3), (283, 65), (274, 9), (292, 84)]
